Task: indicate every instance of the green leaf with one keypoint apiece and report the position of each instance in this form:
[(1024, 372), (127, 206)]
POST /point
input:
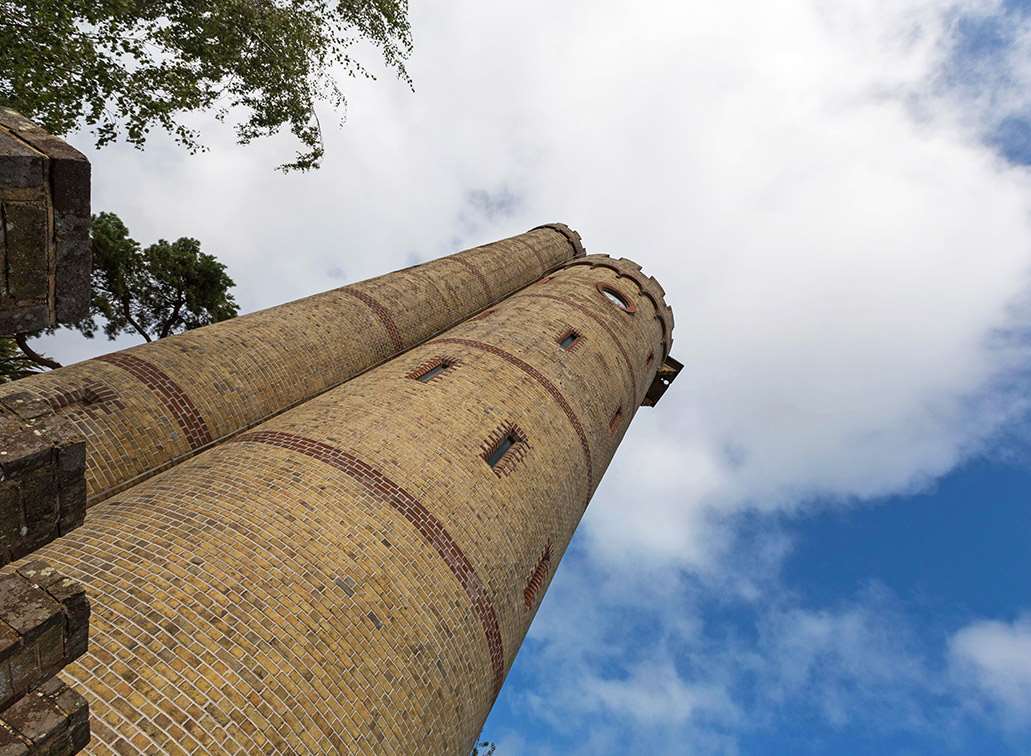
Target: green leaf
[(124, 67)]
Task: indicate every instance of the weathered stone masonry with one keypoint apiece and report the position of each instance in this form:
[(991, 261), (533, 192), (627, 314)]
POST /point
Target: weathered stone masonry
[(44, 228), (355, 575), (44, 279)]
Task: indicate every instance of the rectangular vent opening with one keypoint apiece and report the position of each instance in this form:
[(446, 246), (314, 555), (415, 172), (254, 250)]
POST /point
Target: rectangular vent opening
[(434, 371), (435, 368), (505, 447), (570, 339), (501, 450)]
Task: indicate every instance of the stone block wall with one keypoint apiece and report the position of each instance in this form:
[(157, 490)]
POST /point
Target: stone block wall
[(42, 476), (44, 625), (44, 228), (53, 720)]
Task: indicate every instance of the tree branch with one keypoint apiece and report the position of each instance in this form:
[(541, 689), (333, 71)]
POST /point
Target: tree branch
[(127, 313), (33, 356), (169, 324)]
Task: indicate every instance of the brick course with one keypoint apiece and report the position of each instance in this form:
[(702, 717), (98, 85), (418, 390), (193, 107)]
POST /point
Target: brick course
[(351, 575), (178, 395)]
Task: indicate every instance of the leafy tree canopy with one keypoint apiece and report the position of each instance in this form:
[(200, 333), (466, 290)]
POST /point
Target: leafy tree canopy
[(13, 363), (130, 65), (166, 288)]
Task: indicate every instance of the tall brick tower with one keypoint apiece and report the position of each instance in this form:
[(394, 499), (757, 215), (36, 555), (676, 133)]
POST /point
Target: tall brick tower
[(314, 539)]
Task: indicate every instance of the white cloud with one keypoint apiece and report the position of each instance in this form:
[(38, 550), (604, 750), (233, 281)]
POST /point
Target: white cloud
[(838, 259), (855, 664), (994, 659), (644, 665), (845, 258)]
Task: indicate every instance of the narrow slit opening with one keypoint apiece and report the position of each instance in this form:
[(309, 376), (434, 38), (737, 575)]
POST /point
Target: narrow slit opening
[(437, 367), (502, 449), (570, 339), (433, 372)]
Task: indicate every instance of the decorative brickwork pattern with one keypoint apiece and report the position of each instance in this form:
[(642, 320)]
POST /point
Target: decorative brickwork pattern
[(382, 314), (92, 397), (351, 576), (616, 420), (587, 312), (535, 253), (181, 393), (537, 578), (433, 366), (421, 519), (550, 387), (518, 446), (647, 287), (480, 278), (44, 228), (168, 391)]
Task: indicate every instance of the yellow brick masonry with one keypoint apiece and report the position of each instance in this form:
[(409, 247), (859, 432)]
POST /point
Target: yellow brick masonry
[(353, 576), (144, 409)]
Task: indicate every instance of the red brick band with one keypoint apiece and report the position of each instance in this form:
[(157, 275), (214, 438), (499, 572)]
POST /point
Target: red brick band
[(536, 581), (381, 312), (432, 529), (548, 386), (662, 310), (168, 391), (605, 327), (544, 265), (478, 275)]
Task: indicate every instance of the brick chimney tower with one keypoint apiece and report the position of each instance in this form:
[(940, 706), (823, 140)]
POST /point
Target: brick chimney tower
[(328, 529)]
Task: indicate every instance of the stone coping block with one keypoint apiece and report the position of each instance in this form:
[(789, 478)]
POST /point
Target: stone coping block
[(44, 228), (42, 476), (44, 625), (52, 721)]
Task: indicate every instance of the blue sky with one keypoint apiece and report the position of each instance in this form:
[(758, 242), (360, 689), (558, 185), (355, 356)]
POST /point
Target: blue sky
[(917, 568), (926, 565), (817, 543)]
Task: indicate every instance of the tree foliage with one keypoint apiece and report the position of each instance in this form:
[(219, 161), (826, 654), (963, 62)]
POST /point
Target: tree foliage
[(166, 288), (130, 65), (13, 363)]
